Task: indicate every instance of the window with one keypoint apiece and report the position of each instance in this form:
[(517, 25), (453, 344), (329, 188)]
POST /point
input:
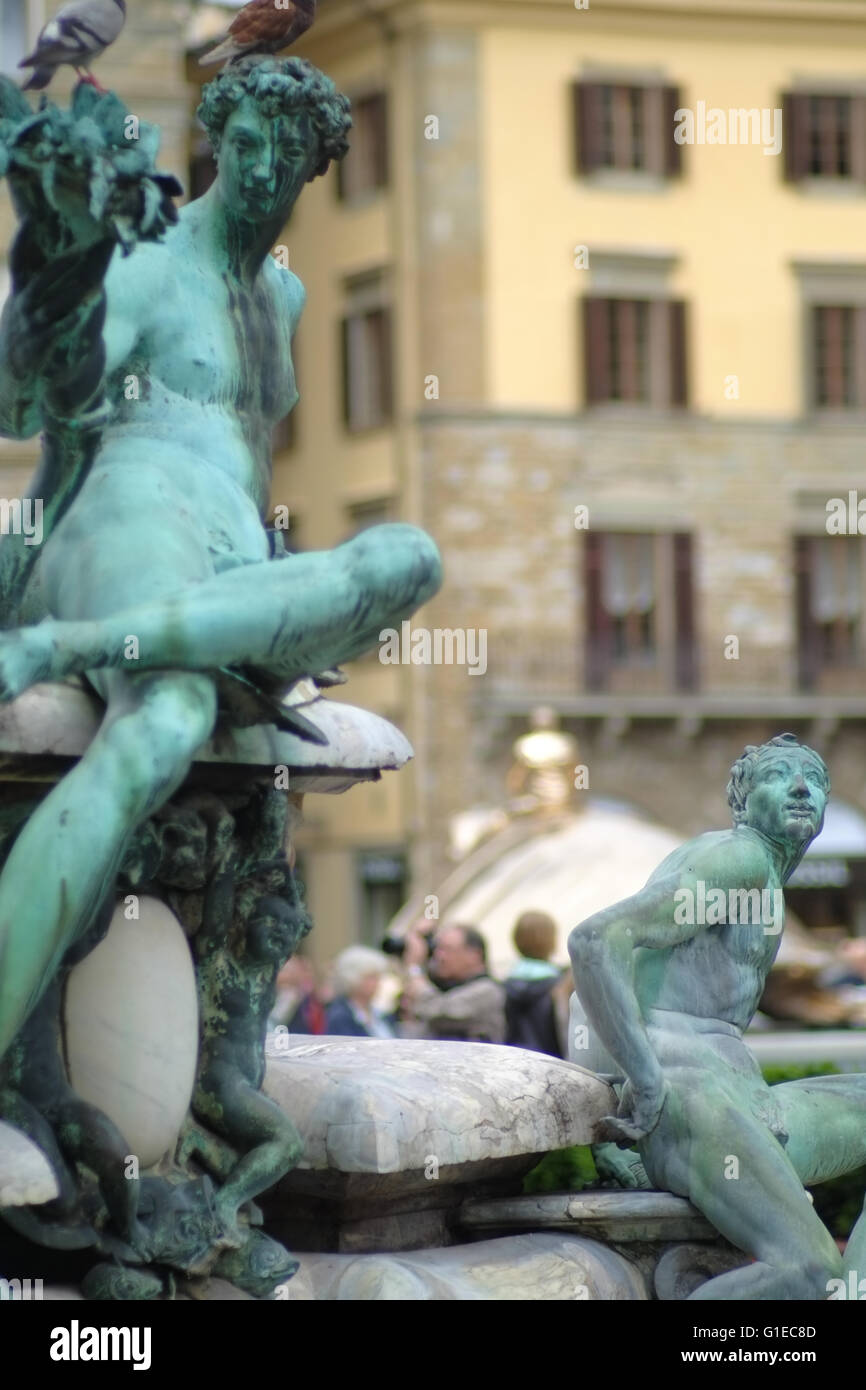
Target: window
[(626, 128), (284, 434), (830, 608), (639, 618), (366, 354), (376, 512), (288, 537), (365, 168), (839, 356), (13, 35), (202, 165), (634, 351), (824, 136), (382, 881)]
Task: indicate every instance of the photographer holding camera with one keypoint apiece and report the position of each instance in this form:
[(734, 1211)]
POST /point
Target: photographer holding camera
[(448, 993)]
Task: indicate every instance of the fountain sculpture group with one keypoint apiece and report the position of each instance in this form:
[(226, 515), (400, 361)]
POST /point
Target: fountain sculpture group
[(161, 661)]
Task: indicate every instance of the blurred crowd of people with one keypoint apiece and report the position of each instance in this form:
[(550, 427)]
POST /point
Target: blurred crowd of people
[(435, 984)]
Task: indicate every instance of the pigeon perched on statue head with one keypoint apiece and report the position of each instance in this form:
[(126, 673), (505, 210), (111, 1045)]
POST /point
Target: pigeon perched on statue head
[(78, 33), (263, 27)]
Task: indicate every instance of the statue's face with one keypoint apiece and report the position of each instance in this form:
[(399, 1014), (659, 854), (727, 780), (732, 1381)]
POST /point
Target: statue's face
[(272, 936), (787, 797), (265, 162)]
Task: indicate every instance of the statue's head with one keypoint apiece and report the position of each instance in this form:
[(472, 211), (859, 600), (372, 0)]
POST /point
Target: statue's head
[(275, 123), (275, 930), (781, 789)]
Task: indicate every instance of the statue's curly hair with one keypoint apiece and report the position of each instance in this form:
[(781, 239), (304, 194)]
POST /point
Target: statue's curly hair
[(278, 86), (743, 771)]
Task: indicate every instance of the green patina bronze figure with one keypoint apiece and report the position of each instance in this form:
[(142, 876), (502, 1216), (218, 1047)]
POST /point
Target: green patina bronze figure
[(249, 928), (156, 383), (669, 980), (153, 352)]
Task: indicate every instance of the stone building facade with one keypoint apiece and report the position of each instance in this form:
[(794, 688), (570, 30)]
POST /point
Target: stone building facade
[(618, 378), (694, 606)]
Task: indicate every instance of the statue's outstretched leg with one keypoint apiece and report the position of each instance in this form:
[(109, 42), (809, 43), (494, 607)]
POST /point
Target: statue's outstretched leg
[(763, 1211), (826, 1120), (291, 617), (152, 728)]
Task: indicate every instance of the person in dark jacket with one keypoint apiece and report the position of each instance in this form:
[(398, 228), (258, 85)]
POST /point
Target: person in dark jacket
[(532, 990), (357, 976)]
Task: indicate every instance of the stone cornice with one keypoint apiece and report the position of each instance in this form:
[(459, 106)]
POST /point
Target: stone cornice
[(398, 15)]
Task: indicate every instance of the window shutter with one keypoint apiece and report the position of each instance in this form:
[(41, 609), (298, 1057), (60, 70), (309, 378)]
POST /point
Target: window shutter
[(679, 386), (596, 350), (859, 347), (685, 656), (818, 384), (673, 153), (382, 330), (596, 621), (795, 135), (833, 326), (345, 367), (379, 134), (808, 661), (588, 131), (858, 139)]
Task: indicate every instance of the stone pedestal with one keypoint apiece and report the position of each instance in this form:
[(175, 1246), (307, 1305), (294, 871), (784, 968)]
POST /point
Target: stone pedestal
[(398, 1133), (124, 1098)]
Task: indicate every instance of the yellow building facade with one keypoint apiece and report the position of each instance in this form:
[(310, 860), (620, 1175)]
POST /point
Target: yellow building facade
[(617, 377), (488, 238)]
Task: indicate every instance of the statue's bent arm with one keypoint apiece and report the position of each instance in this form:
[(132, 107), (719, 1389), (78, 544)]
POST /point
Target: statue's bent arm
[(20, 412), (602, 949)]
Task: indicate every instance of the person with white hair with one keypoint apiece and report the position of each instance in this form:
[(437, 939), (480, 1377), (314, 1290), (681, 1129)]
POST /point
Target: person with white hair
[(356, 977)]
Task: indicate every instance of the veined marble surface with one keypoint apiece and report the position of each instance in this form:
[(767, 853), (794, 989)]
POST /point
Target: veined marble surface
[(131, 1022), (26, 1177)]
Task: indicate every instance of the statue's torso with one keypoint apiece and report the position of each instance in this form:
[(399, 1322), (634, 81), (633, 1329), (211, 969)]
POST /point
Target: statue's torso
[(720, 972), (208, 374)]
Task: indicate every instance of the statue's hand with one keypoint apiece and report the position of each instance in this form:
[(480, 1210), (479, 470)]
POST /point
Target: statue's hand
[(621, 1168), (637, 1115), (51, 302), (52, 329)]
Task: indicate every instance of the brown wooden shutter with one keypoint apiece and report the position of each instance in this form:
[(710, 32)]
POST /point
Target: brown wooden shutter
[(831, 325), (679, 385), (596, 621), (858, 139), (596, 350), (795, 135), (683, 598), (859, 348), (378, 117), (673, 153), (808, 653), (818, 385), (588, 127), (344, 371), (382, 330)]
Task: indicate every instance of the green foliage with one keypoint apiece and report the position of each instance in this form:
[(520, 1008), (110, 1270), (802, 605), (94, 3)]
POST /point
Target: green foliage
[(798, 1071), (839, 1202), (563, 1170)]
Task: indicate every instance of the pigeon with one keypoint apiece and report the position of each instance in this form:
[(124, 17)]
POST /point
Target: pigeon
[(78, 33), (261, 27)]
